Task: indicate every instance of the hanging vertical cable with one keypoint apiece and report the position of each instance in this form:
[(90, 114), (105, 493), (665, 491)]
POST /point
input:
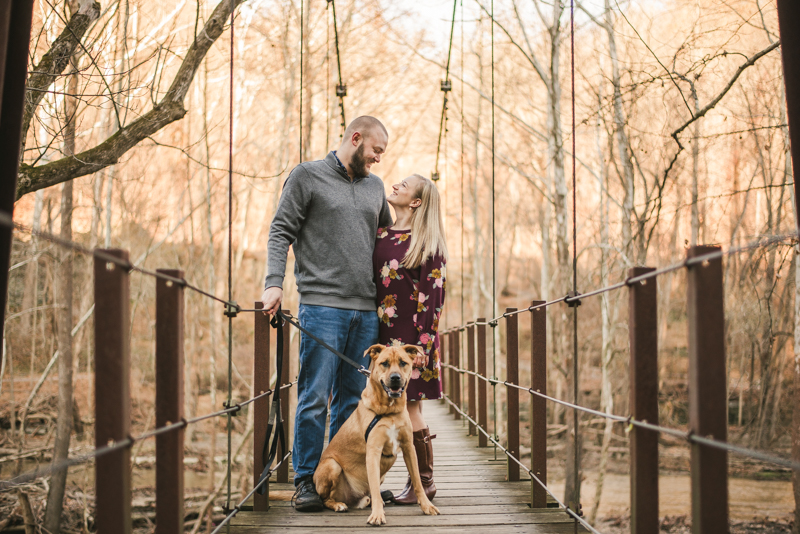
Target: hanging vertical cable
[(341, 88), (446, 87), (461, 163), (302, 4), (494, 251), (327, 80), (576, 448), (230, 312)]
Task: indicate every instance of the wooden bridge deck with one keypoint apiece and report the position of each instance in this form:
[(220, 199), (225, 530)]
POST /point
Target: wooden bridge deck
[(472, 495)]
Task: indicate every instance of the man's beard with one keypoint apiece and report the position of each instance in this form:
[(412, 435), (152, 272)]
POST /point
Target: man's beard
[(358, 163)]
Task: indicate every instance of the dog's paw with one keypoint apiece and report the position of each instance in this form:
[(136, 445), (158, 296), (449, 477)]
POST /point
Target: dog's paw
[(340, 507), (429, 509), (377, 518)]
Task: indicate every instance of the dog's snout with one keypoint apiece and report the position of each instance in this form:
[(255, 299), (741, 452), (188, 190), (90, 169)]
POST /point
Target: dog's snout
[(395, 378)]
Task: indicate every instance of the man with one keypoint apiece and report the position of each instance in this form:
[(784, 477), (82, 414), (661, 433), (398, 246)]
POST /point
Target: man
[(330, 211)]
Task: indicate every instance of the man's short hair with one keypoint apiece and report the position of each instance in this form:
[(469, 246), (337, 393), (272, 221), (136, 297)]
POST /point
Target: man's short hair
[(365, 125)]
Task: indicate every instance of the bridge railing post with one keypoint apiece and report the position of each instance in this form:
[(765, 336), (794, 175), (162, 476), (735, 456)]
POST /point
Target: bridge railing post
[(283, 470), (169, 402), (643, 375), (112, 393), (471, 390), (707, 392), (539, 405), (483, 408), (261, 406), (454, 342), (512, 394)]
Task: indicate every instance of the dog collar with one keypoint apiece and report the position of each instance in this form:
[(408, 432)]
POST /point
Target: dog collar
[(371, 426)]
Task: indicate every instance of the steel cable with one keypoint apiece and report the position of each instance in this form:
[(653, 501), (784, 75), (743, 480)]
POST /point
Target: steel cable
[(689, 436)]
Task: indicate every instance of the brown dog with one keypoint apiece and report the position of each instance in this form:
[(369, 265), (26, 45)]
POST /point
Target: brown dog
[(352, 469)]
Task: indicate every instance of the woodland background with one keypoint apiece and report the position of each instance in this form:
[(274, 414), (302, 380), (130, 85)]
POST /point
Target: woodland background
[(681, 139)]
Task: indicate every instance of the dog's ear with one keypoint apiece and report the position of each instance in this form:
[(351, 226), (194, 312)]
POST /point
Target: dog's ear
[(412, 350), (374, 350)]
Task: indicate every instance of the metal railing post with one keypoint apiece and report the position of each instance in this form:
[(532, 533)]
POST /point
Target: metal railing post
[(512, 394), (169, 402), (283, 470), (483, 408), (471, 390), (112, 393), (447, 356), (454, 342), (707, 393), (261, 406), (643, 373), (539, 405)]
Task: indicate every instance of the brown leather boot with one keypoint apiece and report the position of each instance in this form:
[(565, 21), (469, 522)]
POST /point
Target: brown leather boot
[(424, 450)]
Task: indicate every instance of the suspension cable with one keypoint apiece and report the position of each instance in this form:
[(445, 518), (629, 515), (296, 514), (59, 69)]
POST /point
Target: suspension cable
[(341, 89), (230, 254), (461, 161), (446, 86), (576, 493), (494, 240)]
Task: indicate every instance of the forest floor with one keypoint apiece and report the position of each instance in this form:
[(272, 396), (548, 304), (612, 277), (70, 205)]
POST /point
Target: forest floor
[(760, 495)]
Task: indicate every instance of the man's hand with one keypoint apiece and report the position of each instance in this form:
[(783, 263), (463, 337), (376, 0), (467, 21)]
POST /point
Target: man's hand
[(420, 360), (271, 299)]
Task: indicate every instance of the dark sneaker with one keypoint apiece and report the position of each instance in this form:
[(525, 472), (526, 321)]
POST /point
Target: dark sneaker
[(306, 498), (387, 496)]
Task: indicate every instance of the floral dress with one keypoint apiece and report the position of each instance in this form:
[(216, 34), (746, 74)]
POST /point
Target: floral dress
[(410, 302)]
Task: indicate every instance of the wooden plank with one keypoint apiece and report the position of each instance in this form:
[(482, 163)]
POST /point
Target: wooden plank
[(549, 528), (357, 518)]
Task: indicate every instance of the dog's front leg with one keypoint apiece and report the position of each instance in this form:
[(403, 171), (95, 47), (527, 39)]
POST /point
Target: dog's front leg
[(410, 458), (377, 518)]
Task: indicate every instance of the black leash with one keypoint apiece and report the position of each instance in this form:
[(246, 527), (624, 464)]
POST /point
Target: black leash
[(275, 416), (361, 369)]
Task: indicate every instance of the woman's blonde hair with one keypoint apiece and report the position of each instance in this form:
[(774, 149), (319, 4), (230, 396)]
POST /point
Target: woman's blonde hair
[(427, 226)]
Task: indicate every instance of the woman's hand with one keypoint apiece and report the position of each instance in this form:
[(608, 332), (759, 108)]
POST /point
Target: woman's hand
[(420, 360)]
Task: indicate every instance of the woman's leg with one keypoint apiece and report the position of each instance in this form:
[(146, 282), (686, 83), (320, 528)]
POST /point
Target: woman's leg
[(415, 413)]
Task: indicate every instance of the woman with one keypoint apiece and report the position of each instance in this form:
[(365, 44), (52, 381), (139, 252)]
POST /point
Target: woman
[(409, 262)]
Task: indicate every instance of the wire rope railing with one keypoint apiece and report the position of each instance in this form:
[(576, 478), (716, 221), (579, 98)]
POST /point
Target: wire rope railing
[(26, 478)]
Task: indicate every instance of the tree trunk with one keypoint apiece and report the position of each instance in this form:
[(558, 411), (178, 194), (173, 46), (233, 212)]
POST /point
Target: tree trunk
[(55, 497)]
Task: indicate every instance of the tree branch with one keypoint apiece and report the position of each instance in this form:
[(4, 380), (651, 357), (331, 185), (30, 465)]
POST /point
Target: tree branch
[(54, 62), (168, 110)]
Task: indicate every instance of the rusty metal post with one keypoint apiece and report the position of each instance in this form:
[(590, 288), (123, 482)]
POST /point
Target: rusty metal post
[(454, 342), (472, 395), (512, 394), (261, 406), (643, 374), (15, 36), (112, 393), (448, 351), (169, 403), (707, 393), (283, 470), (788, 15), (483, 406), (539, 405)]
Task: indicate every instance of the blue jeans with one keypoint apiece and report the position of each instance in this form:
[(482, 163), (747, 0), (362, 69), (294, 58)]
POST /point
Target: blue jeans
[(351, 332)]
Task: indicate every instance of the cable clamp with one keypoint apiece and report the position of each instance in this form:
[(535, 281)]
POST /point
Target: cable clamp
[(235, 408), (447, 85), (573, 299), (493, 323), (232, 309), (341, 90), (435, 176)]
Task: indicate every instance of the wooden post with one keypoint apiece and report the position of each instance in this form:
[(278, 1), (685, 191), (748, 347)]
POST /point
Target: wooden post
[(539, 405), (643, 373), (483, 409), (261, 406), (112, 393), (15, 38), (454, 342), (512, 394), (707, 393), (169, 403), (283, 470), (472, 394)]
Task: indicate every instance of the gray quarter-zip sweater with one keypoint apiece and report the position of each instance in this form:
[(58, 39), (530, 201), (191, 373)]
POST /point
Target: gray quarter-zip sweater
[(331, 221)]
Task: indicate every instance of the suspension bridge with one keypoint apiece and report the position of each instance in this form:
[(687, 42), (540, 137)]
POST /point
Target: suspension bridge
[(485, 484)]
